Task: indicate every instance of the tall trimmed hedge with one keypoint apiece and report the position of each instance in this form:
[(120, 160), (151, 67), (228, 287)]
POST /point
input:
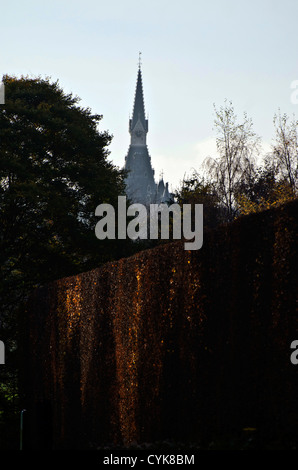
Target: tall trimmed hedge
[(170, 343)]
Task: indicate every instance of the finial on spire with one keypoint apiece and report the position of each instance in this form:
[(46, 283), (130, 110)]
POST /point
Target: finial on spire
[(140, 53)]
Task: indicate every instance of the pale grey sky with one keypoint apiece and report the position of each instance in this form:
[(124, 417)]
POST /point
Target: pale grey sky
[(194, 54)]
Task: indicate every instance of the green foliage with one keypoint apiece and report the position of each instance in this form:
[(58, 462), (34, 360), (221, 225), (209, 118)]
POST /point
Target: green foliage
[(9, 409), (264, 190), (195, 190), (54, 171)]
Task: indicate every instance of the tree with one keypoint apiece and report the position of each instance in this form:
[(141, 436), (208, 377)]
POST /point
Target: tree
[(54, 171), (285, 149), (195, 190), (237, 145), (264, 191)]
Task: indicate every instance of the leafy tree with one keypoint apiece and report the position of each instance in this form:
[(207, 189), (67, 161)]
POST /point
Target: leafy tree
[(274, 183), (195, 190), (54, 171), (285, 149), (263, 191), (237, 145)]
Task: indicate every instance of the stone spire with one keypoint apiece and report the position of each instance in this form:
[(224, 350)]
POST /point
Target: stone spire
[(138, 116), (140, 184)]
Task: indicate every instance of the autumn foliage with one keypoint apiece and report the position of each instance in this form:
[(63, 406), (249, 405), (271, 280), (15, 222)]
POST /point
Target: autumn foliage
[(171, 344)]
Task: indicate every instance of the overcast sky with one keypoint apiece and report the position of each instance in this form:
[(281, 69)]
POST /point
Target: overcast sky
[(194, 53)]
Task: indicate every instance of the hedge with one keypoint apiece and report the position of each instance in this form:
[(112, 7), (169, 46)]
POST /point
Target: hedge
[(169, 344)]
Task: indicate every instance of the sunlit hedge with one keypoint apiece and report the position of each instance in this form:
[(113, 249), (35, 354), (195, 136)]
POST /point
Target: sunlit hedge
[(171, 343)]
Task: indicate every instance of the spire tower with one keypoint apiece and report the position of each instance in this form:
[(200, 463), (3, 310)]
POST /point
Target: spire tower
[(140, 184)]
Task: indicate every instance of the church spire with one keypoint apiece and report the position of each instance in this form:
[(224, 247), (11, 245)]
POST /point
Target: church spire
[(140, 183), (139, 107)]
